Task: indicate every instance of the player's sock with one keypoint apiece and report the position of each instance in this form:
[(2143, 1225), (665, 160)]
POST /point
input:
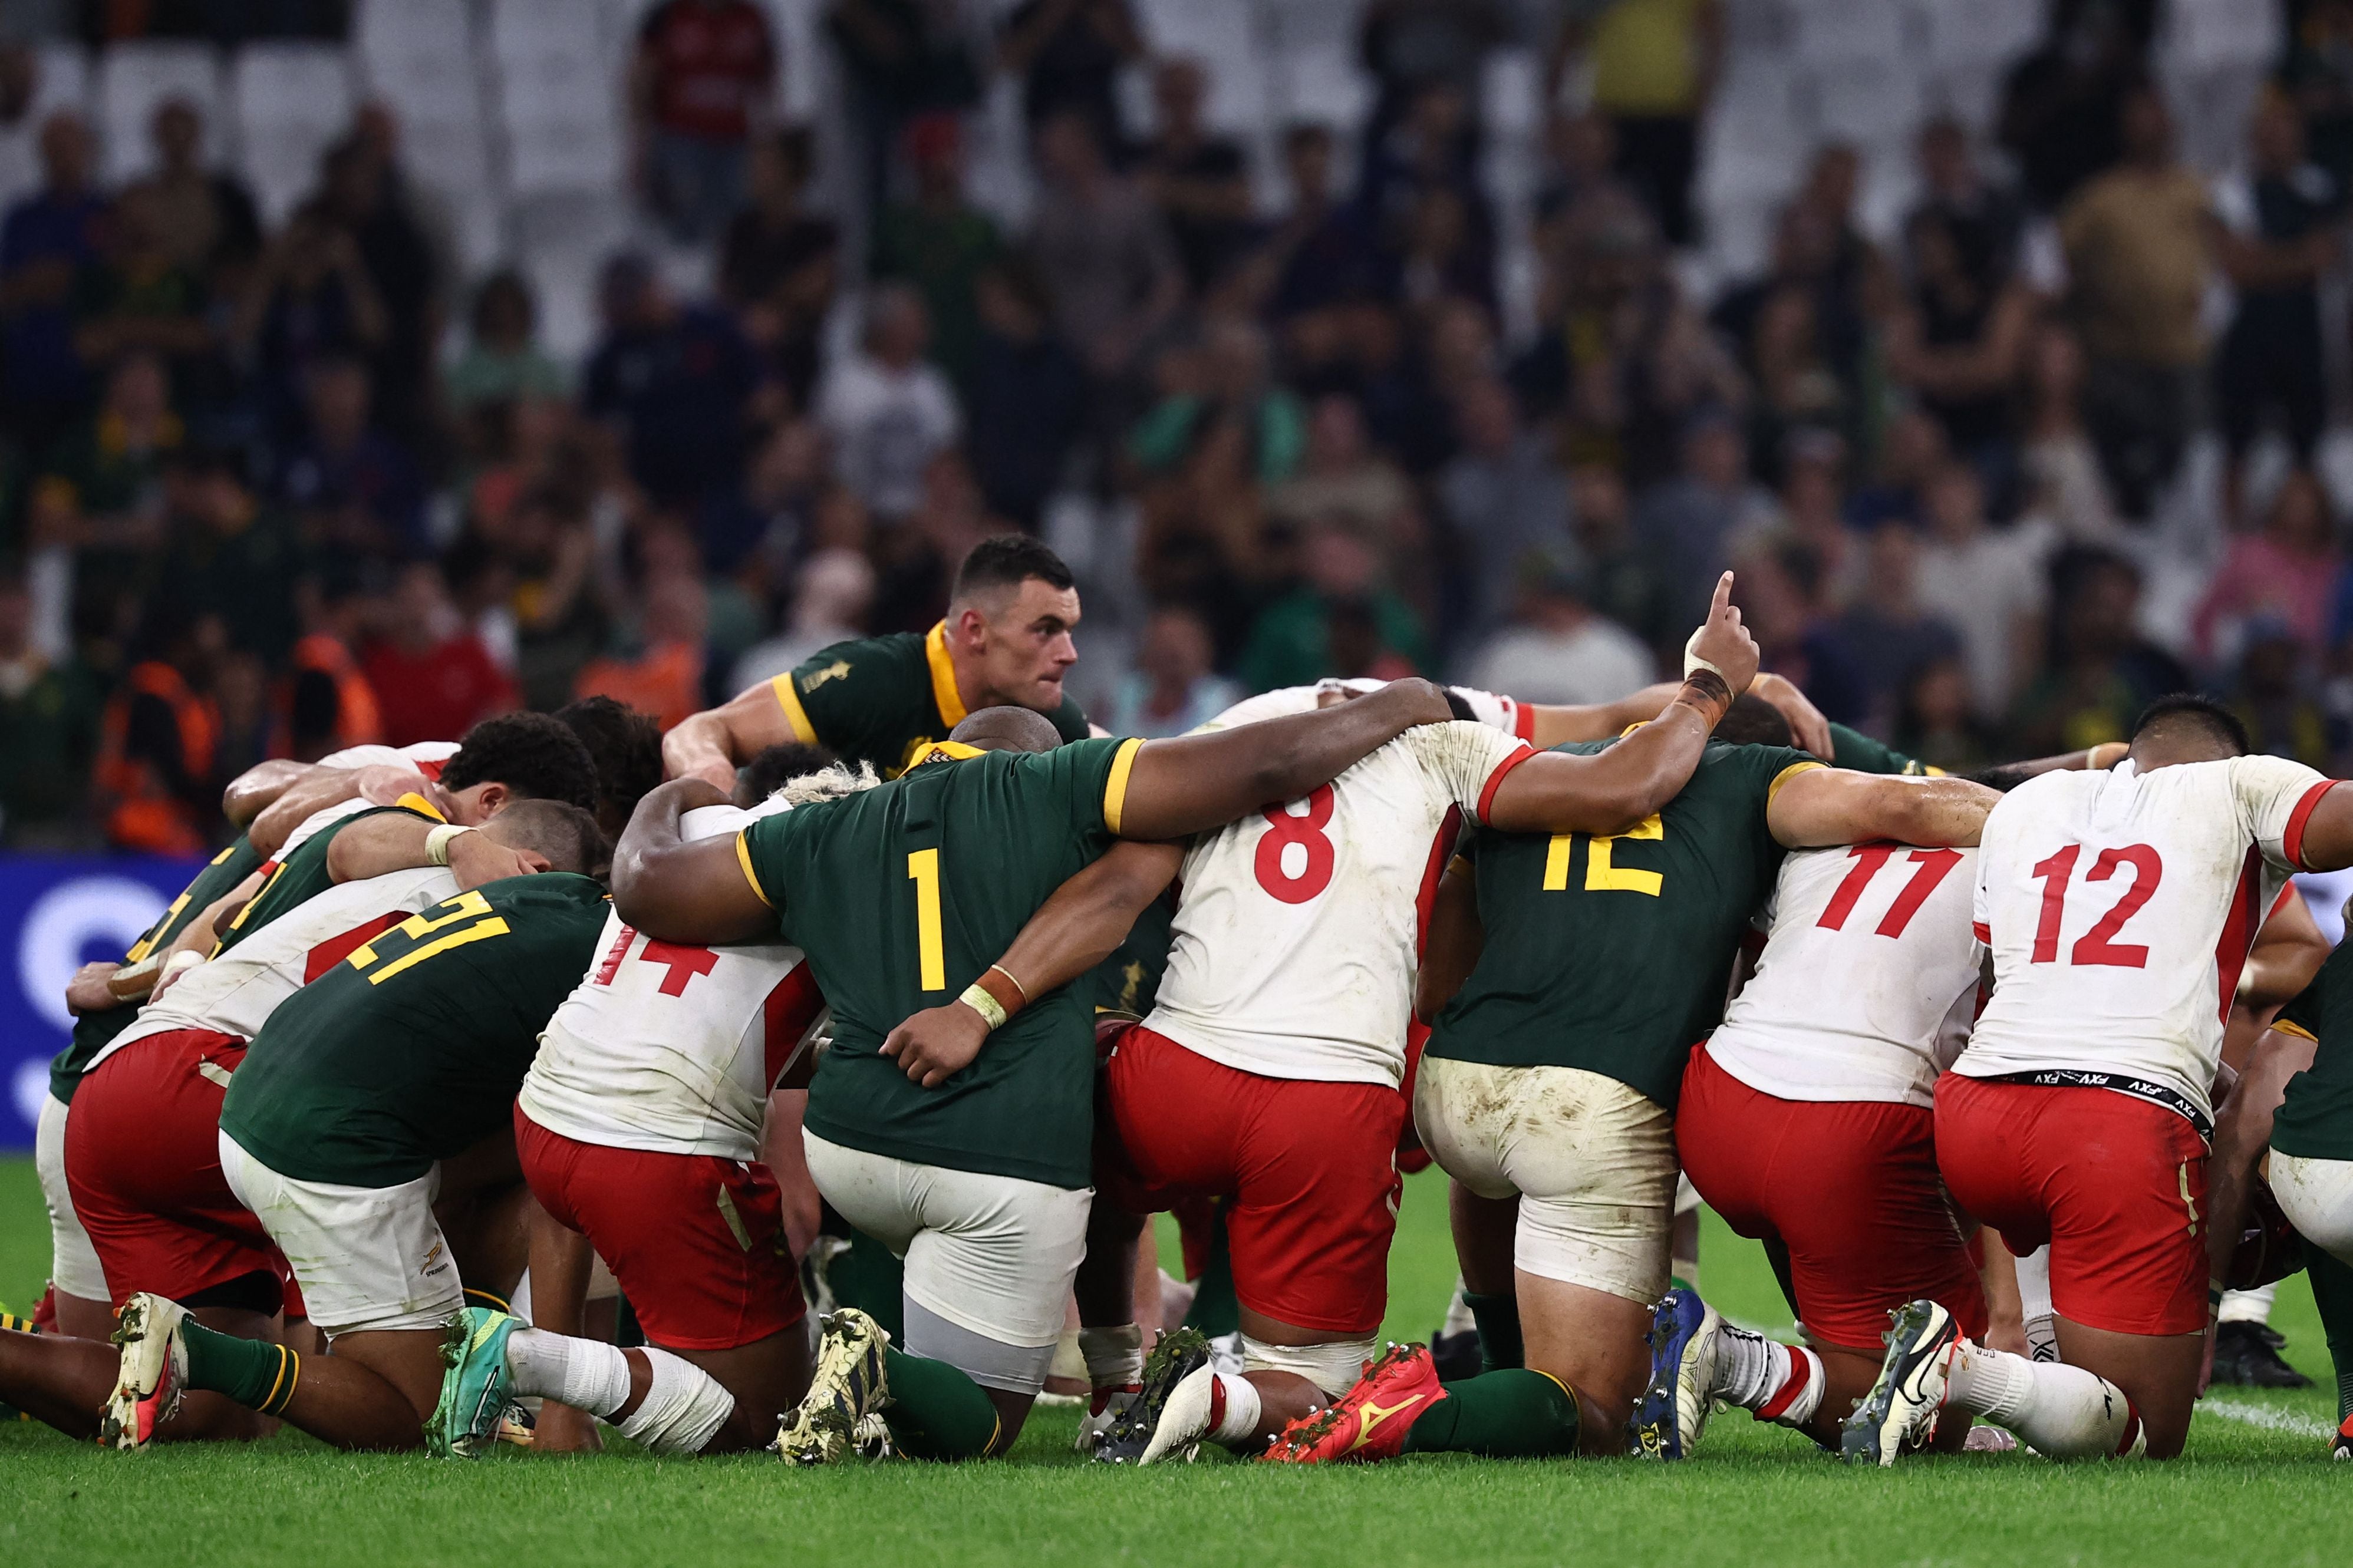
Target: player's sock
[(254, 1372), (583, 1374), (2248, 1306), (1498, 1316), (1514, 1413), (683, 1408), (1772, 1380), (2332, 1292), (2064, 1412), (1115, 1357), (2035, 1308), (936, 1411)]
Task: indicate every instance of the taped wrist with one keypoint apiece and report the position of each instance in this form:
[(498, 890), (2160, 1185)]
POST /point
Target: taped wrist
[(996, 996), (1707, 690), (439, 839)]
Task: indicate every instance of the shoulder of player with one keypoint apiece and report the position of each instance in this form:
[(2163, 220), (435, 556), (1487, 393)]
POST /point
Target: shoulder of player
[(549, 890)]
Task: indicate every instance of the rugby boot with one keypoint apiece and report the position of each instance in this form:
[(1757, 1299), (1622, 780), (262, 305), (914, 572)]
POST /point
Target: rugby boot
[(150, 1333), (1179, 1361), (1903, 1406), (1674, 1410), (1370, 1421)]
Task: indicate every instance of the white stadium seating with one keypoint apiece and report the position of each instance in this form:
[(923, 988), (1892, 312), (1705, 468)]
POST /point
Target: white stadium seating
[(288, 103), (134, 80)]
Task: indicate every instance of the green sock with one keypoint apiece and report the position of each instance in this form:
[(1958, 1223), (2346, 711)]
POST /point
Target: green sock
[(2332, 1292), (1215, 1312), (936, 1411), (1509, 1415), (1498, 1317), (255, 1372), (870, 1278)]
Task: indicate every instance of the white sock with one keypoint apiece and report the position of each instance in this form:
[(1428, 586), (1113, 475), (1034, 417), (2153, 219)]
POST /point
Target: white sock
[(1115, 1357), (583, 1374), (1778, 1382), (2248, 1306), (683, 1408), (519, 1304), (2062, 1411), (1239, 1426), (2034, 1305), (1458, 1311)]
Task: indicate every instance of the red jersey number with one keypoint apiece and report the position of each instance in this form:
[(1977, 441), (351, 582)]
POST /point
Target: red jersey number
[(2097, 946), (1284, 829)]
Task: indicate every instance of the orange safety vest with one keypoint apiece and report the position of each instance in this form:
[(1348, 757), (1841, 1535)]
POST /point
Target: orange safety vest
[(358, 722), (139, 808)]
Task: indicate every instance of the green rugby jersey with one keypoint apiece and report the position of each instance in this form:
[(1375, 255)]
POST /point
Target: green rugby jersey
[(1613, 954), (93, 1032), (1854, 750), (902, 897), (2315, 1120), (412, 1049), (301, 877), (1129, 980), (882, 699)]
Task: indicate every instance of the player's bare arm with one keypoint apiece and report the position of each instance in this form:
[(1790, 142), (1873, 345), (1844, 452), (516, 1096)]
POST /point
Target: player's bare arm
[(1080, 927), (2287, 952), (1195, 783), (2091, 758), (2242, 1134), (708, 744), (319, 788), (679, 890), (1556, 725), (399, 841), (1456, 937), (1832, 805), (254, 789), (2328, 833)]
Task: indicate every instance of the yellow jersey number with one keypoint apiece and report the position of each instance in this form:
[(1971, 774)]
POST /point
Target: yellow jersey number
[(923, 870), (1600, 875), (444, 919)]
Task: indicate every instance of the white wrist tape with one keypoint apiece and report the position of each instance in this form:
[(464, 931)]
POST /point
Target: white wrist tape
[(436, 842)]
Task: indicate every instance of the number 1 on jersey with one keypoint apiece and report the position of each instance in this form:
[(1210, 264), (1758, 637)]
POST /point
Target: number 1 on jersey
[(923, 870)]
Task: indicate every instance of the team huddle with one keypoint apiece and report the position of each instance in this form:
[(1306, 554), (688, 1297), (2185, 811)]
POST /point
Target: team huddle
[(496, 1089)]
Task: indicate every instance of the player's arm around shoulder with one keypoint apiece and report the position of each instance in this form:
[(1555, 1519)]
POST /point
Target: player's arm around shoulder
[(709, 745), (2299, 816), (1812, 807), (701, 891)]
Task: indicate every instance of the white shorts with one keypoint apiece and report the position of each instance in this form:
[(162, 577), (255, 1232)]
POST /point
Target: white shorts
[(2316, 1195), (1593, 1162), (369, 1259), (989, 1259), (73, 1261)]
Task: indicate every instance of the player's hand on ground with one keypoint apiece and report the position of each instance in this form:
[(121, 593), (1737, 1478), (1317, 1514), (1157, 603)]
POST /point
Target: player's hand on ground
[(938, 1043), (87, 991), (1723, 642), (476, 859), (1810, 728), (564, 1430)]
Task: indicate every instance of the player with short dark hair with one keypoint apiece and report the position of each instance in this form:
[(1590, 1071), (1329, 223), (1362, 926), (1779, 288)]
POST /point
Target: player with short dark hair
[(1005, 642), (624, 747)]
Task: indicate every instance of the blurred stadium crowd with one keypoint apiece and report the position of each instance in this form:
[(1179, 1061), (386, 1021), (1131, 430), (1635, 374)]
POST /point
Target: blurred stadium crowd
[(2014, 419)]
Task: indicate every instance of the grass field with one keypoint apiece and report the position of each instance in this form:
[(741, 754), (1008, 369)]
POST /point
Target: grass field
[(2255, 1487)]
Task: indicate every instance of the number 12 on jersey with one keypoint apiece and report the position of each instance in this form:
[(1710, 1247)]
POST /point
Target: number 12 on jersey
[(1600, 875)]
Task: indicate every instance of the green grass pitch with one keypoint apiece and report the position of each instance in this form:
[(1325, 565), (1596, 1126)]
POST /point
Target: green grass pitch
[(2255, 1488)]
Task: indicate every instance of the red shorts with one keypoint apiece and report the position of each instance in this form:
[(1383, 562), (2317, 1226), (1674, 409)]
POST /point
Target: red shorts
[(697, 1242), (142, 1159), (1308, 1171), (2116, 1185), (1849, 1186)]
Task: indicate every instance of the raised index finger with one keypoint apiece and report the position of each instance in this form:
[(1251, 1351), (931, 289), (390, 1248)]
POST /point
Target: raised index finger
[(1723, 597)]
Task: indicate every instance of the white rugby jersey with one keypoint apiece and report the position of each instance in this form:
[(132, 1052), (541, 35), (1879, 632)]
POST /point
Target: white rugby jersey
[(674, 1048), (2120, 906), (425, 757), (1867, 950), (1299, 928), (234, 992)]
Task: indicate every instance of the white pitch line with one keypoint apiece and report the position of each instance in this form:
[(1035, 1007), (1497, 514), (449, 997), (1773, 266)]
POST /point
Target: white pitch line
[(2266, 1417)]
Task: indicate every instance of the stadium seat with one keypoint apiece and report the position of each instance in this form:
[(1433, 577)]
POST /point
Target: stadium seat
[(288, 102), (1225, 36), (1831, 32), (61, 81), (558, 99), (1325, 85), (135, 78), (1985, 33)]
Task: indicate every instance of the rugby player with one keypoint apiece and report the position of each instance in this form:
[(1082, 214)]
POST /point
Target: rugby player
[(1267, 1075), (639, 1130), (2119, 906), (1552, 1074), (1005, 642), (516, 756), (381, 1090), (980, 1182)]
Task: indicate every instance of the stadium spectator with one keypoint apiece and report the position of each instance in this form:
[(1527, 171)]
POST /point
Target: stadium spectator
[(943, 243), (2285, 576), (1342, 617), (1887, 630), (1225, 378), (205, 218), (2060, 103), (114, 460), (664, 676), (2139, 262), (324, 703), (831, 597), (354, 486), (45, 241), (675, 382), (1432, 147), (1624, 577), (1174, 685), (703, 70), (777, 263), (229, 558), (1937, 720), (2061, 468), (1654, 64), (1198, 179), (2274, 697), (2281, 229), (1342, 475), (548, 546), (1694, 518), (1068, 55), (1320, 252), (1981, 216), (362, 189), (1505, 504), (433, 675), (888, 410), (155, 788), (2101, 670), (1029, 395), (1104, 254), (1554, 648), (1409, 45), (2318, 77), (20, 83), (1958, 337), (503, 361), (48, 729), (308, 300), (1988, 584)]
